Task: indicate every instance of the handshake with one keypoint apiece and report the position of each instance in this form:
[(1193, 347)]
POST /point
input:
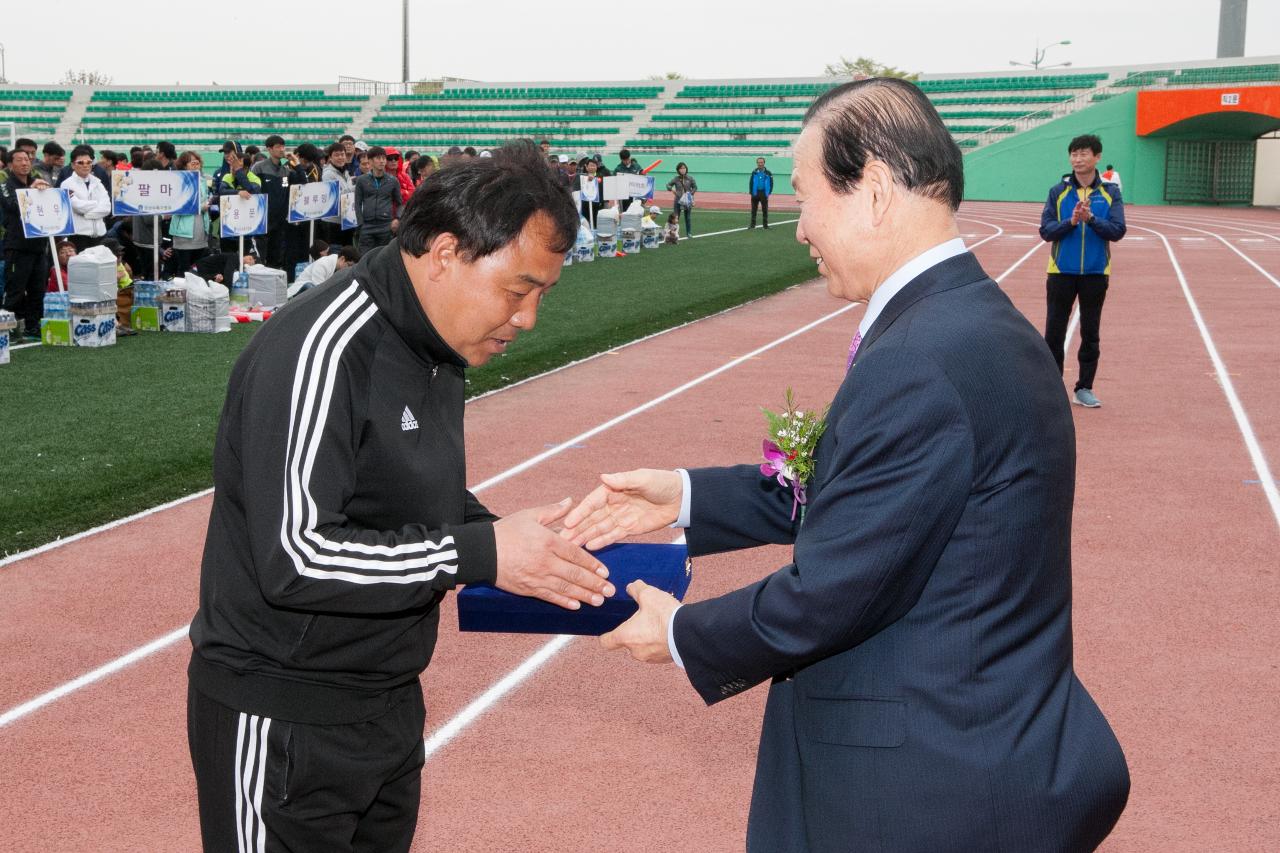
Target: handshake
[(535, 561)]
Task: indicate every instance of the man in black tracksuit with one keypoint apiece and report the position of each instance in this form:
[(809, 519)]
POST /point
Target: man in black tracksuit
[(341, 517), (275, 171)]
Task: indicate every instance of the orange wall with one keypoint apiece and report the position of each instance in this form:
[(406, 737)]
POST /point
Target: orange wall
[(1160, 108)]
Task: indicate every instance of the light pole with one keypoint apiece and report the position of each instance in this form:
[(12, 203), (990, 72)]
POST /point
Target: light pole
[(404, 58), (1038, 61), (4, 78)]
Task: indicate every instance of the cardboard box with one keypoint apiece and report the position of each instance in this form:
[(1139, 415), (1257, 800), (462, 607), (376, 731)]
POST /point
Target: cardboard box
[(485, 608), (145, 318), (93, 324)]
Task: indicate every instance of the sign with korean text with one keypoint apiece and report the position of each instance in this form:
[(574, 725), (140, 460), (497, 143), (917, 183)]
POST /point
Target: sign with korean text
[(319, 200), (590, 188), (243, 217), (349, 218), (627, 186), (45, 213), (155, 192)]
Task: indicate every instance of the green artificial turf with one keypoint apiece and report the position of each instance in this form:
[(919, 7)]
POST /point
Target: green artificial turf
[(94, 435)]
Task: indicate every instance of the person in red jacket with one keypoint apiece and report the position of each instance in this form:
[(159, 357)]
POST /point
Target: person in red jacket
[(66, 251), (396, 166)]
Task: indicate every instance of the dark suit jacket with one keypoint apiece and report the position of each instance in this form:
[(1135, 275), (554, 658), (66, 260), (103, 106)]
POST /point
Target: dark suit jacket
[(923, 696)]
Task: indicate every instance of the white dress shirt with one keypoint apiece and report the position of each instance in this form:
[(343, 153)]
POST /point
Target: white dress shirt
[(879, 299)]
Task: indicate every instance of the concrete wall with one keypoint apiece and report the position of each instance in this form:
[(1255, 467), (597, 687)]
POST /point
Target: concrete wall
[(1025, 166), (1266, 176)]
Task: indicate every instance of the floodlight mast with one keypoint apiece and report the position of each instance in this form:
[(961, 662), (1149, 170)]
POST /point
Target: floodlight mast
[(1038, 61)]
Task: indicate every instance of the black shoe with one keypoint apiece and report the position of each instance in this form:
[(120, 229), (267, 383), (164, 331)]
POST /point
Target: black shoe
[(752, 225), (766, 226)]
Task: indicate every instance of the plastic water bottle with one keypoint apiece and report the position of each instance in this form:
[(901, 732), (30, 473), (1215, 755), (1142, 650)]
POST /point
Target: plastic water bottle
[(57, 306), (240, 289)]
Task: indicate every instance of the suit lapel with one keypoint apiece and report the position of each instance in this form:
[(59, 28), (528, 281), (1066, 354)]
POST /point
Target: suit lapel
[(952, 273)]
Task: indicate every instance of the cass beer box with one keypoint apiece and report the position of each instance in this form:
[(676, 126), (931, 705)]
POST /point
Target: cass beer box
[(485, 608), (93, 324)]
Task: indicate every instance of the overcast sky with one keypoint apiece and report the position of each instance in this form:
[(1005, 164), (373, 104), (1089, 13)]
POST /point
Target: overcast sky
[(246, 43)]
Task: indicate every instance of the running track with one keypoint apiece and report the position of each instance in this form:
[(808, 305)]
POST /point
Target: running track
[(1175, 584)]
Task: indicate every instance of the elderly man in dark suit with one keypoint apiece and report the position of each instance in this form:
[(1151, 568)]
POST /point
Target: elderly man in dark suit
[(918, 647)]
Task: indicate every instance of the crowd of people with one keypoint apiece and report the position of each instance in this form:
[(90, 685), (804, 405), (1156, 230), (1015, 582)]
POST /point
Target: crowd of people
[(381, 178)]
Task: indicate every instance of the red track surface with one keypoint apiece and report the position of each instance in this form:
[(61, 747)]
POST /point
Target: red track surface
[(1175, 589)]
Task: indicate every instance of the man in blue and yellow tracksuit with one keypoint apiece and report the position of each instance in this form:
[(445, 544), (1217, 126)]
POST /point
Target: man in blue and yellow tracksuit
[(1082, 217)]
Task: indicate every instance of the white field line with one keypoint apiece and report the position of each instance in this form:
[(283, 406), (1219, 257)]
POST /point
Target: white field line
[(1224, 380), (733, 230), (156, 645), (526, 668)]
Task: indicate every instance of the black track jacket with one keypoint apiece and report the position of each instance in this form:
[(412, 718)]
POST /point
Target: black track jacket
[(340, 514)]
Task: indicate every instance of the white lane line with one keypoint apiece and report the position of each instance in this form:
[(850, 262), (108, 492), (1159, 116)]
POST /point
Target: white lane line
[(487, 699), (75, 537), (1224, 379), (517, 675), (30, 706), (1250, 261)]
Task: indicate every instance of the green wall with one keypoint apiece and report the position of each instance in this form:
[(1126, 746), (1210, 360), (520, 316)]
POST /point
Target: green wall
[(718, 174), (1024, 166)]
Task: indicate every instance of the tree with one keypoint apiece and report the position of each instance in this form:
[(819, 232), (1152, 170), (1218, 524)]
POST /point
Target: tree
[(670, 75), (85, 78), (863, 67)]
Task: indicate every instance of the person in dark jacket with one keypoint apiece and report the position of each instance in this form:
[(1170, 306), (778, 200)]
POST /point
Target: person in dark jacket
[(378, 197), (275, 171), (1082, 217), (26, 260), (341, 518), (237, 180), (760, 187)]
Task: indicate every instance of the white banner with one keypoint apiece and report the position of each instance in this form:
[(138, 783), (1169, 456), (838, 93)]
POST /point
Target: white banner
[(155, 192), (349, 217), (590, 188), (308, 202), (45, 213), (626, 186), (243, 217)]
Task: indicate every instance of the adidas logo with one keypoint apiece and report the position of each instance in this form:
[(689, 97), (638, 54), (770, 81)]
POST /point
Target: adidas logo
[(408, 421)]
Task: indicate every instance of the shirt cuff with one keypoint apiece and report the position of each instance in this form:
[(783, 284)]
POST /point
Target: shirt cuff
[(682, 520), (671, 637)]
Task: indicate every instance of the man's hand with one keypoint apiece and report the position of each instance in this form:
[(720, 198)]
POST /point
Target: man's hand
[(625, 505), (245, 194), (39, 184), (395, 226), (644, 635), (534, 561)]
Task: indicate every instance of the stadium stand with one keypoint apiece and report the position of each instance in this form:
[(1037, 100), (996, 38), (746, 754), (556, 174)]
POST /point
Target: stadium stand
[(203, 119), (33, 112)]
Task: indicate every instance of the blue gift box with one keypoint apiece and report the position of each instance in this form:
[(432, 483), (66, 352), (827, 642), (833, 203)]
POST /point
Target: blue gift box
[(484, 608)]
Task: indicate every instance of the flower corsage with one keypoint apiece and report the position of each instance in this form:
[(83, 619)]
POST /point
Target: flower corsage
[(789, 449)]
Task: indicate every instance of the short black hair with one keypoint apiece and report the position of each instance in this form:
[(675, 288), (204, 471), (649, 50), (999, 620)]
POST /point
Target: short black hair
[(54, 148), (317, 249), (377, 151), (1110, 167), (891, 120), (344, 137), (308, 152), (624, 154), (251, 150), (335, 148), (167, 148), (81, 151), (273, 140), (472, 152), (24, 142), (350, 253), (486, 202), (1086, 140)]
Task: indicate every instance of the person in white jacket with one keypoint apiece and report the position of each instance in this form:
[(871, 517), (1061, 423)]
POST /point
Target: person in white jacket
[(90, 201)]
